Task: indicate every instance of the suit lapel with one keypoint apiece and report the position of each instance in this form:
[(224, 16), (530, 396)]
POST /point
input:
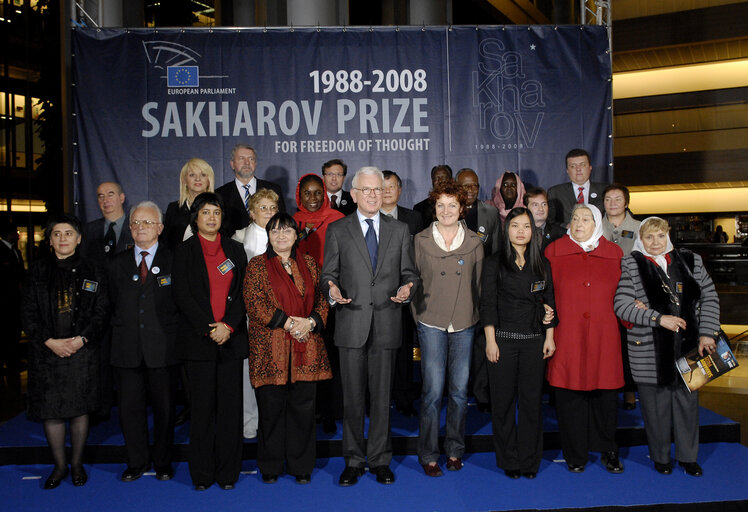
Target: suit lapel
[(385, 235), (354, 230)]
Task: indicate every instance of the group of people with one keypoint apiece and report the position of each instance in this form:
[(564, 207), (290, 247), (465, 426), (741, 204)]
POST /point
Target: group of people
[(277, 321)]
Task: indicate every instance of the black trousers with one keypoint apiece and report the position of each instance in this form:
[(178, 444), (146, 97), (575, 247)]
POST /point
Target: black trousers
[(216, 423), (586, 422), (136, 385), (287, 430), (479, 385), (330, 392), (517, 380), (402, 388)]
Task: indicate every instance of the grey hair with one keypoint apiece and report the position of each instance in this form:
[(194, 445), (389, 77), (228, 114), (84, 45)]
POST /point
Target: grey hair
[(242, 146), (147, 204), (369, 171)]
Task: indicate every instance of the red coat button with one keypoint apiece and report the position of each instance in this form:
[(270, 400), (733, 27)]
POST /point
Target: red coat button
[(586, 315), (587, 284)]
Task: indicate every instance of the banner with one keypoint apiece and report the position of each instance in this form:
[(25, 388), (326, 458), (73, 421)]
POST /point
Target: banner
[(489, 98)]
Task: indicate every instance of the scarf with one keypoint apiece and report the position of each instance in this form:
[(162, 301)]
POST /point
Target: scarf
[(295, 297), (312, 242), (662, 259), (498, 201), (592, 243)]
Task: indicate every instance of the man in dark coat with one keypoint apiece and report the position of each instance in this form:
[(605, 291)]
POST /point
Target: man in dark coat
[(563, 197), (11, 276), (144, 327), (333, 173), (536, 200)]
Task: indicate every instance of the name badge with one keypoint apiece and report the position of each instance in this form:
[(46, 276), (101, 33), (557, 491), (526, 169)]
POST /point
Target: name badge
[(537, 286), (164, 280), (679, 287), (90, 286), (627, 234), (483, 236), (224, 267)]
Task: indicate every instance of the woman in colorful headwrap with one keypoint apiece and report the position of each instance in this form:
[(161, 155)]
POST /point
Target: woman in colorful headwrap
[(314, 215), (508, 192)]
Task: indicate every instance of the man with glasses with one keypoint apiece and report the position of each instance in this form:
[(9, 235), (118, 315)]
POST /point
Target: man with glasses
[(563, 197), (144, 328), (235, 194), (368, 272), (333, 173)]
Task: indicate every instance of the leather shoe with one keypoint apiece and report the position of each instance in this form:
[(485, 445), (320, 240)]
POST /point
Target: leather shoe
[(57, 476), (665, 468), (350, 475), (164, 473), (79, 476), (611, 462), (576, 468), (454, 464), (303, 479), (512, 473), (529, 474), (691, 468), (384, 475), (269, 479), (432, 469), (201, 487), (132, 474), (226, 487), (408, 410)]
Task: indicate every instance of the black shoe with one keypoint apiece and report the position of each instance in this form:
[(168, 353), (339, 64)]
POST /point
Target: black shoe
[(407, 410), (611, 462), (665, 468), (79, 476), (384, 475), (576, 468), (132, 474), (57, 476), (182, 417), (529, 474), (164, 473), (484, 407), (269, 479), (201, 487), (350, 475), (328, 425), (512, 473), (303, 479), (226, 487), (691, 468), (629, 406)]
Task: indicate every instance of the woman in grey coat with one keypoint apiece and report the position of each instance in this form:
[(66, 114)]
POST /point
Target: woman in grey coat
[(671, 301)]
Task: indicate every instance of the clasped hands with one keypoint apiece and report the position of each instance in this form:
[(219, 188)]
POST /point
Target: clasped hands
[(676, 323), (65, 347), (403, 294), (220, 332), (298, 327)]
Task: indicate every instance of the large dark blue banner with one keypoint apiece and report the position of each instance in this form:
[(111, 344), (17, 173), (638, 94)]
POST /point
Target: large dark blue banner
[(490, 98)]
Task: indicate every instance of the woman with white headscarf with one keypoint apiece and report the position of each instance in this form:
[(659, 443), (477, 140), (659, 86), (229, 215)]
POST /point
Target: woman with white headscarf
[(587, 368), (677, 311)]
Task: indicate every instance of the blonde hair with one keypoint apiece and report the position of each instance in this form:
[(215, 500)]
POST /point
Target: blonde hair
[(196, 164), (263, 193), (653, 224)]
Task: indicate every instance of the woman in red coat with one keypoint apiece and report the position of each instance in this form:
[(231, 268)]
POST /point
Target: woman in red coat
[(587, 368)]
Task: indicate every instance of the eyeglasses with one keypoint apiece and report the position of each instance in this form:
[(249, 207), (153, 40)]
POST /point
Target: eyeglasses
[(145, 223), (283, 231), (264, 209), (367, 191)]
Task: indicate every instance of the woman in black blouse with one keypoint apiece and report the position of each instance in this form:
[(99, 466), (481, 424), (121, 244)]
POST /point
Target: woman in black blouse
[(516, 310)]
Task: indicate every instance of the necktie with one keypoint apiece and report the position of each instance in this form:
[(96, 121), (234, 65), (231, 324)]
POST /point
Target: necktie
[(371, 244), (143, 267), (334, 202), (580, 196), (110, 240), (246, 197)]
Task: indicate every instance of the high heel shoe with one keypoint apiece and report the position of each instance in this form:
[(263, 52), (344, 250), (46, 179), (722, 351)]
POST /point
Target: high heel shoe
[(57, 476), (79, 475)]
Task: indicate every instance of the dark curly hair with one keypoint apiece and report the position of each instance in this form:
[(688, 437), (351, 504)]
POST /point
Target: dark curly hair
[(449, 188)]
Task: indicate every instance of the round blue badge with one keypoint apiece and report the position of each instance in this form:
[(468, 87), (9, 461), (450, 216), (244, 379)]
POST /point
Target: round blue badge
[(460, 261)]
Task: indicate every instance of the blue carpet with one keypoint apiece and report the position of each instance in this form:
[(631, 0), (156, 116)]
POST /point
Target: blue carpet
[(478, 487)]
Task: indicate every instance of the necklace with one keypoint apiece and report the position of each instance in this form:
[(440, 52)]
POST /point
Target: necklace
[(520, 265), (286, 264)]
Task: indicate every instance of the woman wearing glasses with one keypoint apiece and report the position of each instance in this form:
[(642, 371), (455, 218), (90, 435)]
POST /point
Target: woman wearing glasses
[(287, 355), (208, 275)]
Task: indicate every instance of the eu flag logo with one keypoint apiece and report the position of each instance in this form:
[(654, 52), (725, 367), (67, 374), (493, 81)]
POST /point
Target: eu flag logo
[(182, 76)]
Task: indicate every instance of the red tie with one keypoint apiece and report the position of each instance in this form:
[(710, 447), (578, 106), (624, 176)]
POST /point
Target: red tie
[(580, 196), (334, 202), (143, 267)]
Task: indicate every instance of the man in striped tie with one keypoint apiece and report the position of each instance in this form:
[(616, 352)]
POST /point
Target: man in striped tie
[(563, 197)]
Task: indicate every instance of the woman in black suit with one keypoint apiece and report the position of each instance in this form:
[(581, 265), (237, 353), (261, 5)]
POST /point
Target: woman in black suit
[(195, 178), (64, 311), (208, 276)]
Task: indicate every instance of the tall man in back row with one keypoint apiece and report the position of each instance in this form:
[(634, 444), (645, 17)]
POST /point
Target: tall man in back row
[(333, 173), (563, 197), (368, 272)]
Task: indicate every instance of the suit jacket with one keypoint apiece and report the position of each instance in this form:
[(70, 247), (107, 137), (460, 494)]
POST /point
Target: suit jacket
[(145, 319), (426, 210), (348, 266), (92, 240), (412, 218), (563, 197), (236, 214), (551, 232), (489, 228), (176, 220), (346, 206), (192, 295)]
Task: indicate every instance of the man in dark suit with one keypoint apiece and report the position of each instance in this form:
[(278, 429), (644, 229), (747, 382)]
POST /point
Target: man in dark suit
[(537, 202), (108, 235), (563, 197), (144, 328), (235, 194), (403, 391), (11, 276), (368, 272), (438, 173), (333, 173)]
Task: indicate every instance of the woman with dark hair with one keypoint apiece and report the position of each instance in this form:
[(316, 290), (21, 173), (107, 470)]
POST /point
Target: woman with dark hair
[(517, 289), (508, 193), (449, 258), (208, 277), (65, 307), (314, 215), (287, 355)]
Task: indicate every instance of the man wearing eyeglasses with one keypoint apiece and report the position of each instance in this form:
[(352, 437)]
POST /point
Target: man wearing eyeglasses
[(235, 194), (333, 173), (144, 328), (368, 272)]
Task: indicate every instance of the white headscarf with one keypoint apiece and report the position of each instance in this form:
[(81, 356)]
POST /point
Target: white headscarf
[(592, 243), (639, 246)]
